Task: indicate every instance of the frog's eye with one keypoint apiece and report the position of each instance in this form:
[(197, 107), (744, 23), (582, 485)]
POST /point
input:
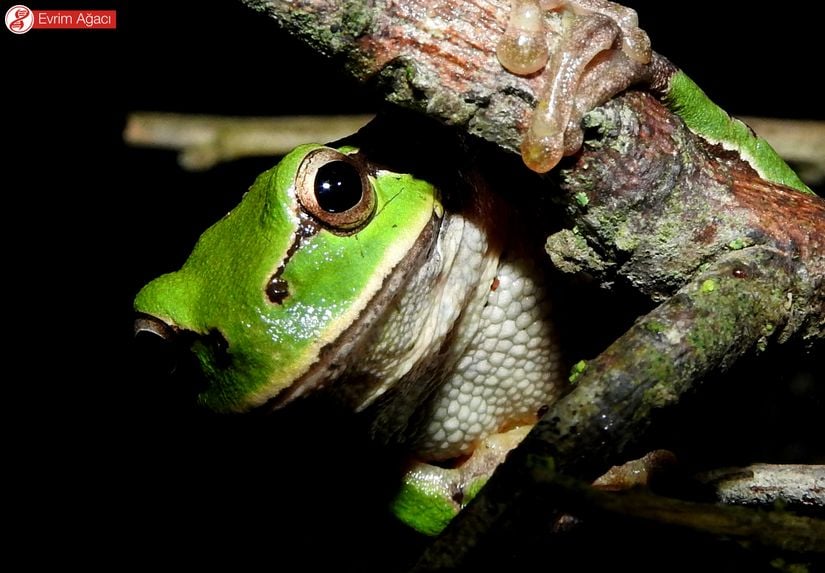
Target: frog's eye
[(335, 189)]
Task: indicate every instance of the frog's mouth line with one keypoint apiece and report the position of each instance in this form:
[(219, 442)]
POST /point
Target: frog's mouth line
[(148, 324), (334, 358)]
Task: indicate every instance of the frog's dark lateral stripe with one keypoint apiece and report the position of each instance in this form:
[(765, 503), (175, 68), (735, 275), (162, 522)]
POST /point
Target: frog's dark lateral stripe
[(277, 289), (334, 358)]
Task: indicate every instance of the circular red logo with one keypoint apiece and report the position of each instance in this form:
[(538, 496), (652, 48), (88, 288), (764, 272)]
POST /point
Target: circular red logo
[(19, 19)]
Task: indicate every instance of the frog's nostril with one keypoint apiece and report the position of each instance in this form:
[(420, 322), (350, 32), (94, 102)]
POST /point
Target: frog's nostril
[(155, 345), (147, 326), (162, 361)]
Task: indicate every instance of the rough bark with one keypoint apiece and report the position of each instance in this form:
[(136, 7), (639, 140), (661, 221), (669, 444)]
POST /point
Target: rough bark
[(437, 57)]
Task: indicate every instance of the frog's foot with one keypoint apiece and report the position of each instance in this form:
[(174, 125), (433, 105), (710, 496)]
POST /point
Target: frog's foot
[(635, 41), (584, 38), (607, 75), (586, 69), (523, 47), (432, 495), (638, 473)]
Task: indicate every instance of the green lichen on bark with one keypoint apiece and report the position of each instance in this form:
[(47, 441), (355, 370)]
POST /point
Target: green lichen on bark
[(570, 253), (415, 87), (694, 333), (656, 216)]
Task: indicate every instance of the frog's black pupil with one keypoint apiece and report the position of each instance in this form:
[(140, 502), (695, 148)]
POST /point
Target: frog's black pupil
[(337, 186)]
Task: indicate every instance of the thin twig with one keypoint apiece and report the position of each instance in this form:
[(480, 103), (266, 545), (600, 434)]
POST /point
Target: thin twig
[(205, 140), (764, 484)]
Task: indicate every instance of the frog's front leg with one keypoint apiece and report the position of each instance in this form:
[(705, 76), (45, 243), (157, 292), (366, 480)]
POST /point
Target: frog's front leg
[(554, 129), (607, 75), (635, 42), (586, 68), (523, 47)]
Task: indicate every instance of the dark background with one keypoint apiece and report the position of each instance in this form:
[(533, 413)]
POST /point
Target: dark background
[(113, 467)]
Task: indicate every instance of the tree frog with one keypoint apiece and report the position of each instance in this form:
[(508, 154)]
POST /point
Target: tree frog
[(598, 51), (424, 305)]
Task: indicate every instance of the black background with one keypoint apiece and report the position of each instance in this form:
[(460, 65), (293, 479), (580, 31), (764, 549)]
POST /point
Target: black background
[(111, 467)]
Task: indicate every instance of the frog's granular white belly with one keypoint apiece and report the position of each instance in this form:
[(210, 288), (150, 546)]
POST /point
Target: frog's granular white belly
[(507, 373), (467, 348)]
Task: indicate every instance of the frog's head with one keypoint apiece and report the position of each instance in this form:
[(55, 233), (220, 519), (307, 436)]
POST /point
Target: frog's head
[(278, 292)]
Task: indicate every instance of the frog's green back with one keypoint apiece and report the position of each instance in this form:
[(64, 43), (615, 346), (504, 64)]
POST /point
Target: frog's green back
[(713, 123)]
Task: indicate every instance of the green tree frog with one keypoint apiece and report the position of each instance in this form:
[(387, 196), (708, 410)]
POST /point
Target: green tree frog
[(425, 305)]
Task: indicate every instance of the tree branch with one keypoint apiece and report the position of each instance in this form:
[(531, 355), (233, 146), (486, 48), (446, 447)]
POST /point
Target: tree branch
[(765, 484), (433, 56)]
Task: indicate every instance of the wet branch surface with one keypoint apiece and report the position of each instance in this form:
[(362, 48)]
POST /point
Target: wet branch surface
[(735, 264)]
